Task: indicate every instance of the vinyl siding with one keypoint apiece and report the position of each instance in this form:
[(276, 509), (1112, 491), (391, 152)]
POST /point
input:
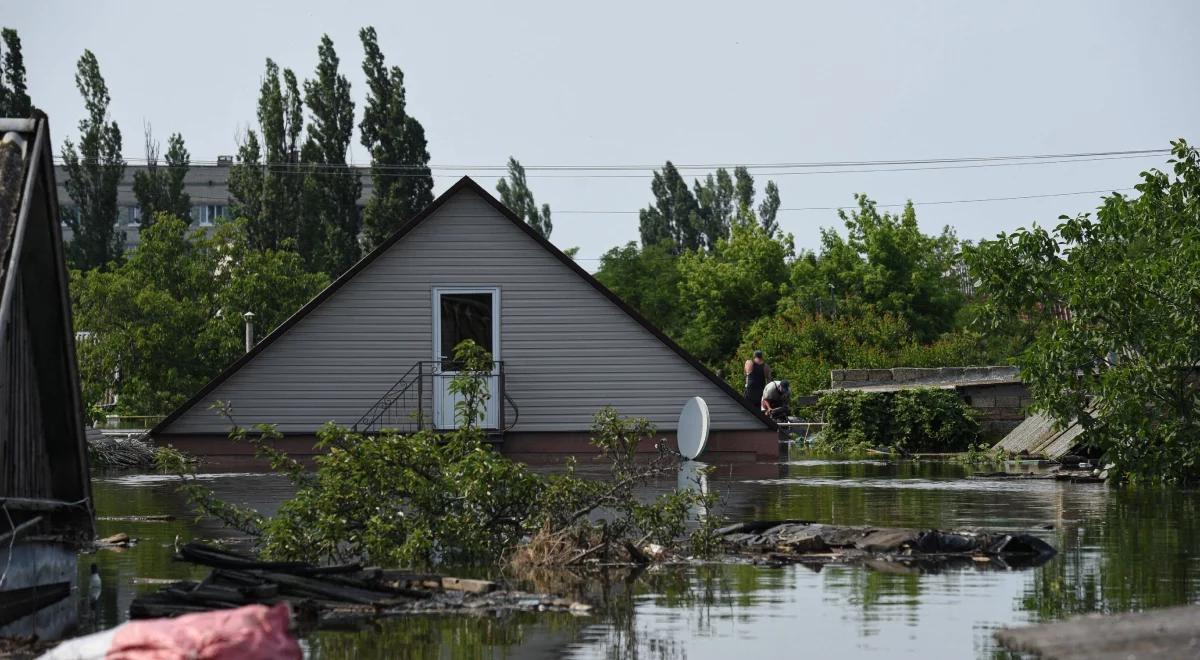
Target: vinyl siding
[(567, 349)]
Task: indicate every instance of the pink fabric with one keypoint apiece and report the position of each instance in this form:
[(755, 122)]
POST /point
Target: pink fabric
[(253, 631)]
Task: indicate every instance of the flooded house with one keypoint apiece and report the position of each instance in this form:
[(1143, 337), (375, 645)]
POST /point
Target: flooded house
[(374, 349), (46, 511)]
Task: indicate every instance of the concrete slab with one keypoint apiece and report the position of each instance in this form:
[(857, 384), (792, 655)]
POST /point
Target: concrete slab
[(1164, 634)]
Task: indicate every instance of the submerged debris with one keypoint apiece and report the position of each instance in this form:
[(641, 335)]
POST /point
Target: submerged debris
[(332, 596), (798, 541), (118, 452)]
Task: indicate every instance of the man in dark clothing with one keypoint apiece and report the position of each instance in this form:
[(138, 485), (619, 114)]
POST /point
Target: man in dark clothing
[(758, 374)]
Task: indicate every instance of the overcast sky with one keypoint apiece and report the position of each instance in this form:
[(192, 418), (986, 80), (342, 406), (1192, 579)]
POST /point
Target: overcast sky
[(636, 83)]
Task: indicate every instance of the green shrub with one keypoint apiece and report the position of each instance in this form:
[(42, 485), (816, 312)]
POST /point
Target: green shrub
[(425, 497), (906, 421)]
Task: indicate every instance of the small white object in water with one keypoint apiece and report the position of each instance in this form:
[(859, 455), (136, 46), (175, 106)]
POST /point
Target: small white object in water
[(94, 585)]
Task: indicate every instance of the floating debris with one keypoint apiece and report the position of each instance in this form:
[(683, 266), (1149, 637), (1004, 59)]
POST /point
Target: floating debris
[(118, 452), (332, 596), (118, 540), (806, 542)]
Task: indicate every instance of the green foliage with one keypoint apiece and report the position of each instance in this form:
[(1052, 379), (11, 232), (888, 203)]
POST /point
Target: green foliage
[(245, 191), (394, 139), (164, 321), (1123, 360), (672, 219), (93, 172), (14, 98), (906, 421), (648, 279), (723, 291), (268, 194), (983, 454), (331, 188), (425, 497), (160, 190), (769, 209), (517, 196), (686, 220), (804, 346), (886, 264)]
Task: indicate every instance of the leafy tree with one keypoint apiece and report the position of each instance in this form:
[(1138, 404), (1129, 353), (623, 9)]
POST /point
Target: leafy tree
[(715, 198), (245, 189), (400, 175), (803, 346), (769, 208), (331, 187), (912, 420), (167, 319), (269, 194), (1122, 358), (674, 216), (700, 217), (389, 499), (725, 290), (647, 279), (886, 263), (14, 99), (160, 190), (517, 196), (93, 173), (744, 190)]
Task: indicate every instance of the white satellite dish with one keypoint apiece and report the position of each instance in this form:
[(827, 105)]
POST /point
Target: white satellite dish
[(692, 431)]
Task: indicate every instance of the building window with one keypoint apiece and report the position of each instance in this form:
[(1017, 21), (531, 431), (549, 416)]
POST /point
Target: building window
[(210, 214), (135, 216)]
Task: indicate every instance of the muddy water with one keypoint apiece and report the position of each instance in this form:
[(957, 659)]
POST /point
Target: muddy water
[(1118, 550)]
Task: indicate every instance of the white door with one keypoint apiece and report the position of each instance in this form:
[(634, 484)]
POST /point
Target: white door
[(460, 314)]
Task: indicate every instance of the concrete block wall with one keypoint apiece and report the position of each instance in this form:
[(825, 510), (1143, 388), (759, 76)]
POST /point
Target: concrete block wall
[(996, 393), (917, 376), (1001, 406)]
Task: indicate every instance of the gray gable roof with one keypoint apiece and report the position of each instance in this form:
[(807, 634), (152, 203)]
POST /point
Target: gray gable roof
[(464, 185)]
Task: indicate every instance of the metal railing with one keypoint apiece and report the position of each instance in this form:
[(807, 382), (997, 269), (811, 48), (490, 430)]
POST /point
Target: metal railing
[(420, 400)]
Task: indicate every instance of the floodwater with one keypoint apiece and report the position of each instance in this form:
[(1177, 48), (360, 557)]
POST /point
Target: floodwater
[(1119, 550)]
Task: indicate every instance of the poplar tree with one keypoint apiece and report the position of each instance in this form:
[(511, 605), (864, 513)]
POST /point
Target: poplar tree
[(245, 186), (744, 191), (768, 209), (332, 186), (267, 182), (400, 172), (93, 172), (517, 196), (715, 199), (14, 100), (160, 189), (673, 217)]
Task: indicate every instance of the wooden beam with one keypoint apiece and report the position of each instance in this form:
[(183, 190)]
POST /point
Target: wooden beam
[(19, 529)]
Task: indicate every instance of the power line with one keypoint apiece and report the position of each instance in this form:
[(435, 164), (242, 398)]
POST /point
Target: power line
[(799, 209), (294, 169), (959, 160), (896, 205)]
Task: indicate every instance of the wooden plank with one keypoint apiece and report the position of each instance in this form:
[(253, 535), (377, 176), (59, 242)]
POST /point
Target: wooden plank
[(1163, 634), (19, 529), (17, 603), (288, 582)]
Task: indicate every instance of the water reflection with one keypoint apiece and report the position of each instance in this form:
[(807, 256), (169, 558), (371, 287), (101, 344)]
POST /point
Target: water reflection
[(1118, 550)]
